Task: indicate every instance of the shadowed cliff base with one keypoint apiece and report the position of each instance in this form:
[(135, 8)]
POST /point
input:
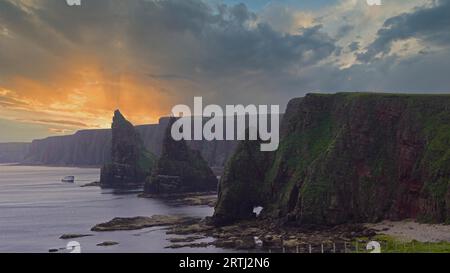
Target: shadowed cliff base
[(347, 157)]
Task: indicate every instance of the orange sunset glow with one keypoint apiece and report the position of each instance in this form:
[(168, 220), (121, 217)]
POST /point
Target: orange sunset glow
[(67, 68), (83, 96)]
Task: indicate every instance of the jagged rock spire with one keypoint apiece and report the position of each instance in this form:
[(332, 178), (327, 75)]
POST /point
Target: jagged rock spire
[(180, 169), (131, 162)]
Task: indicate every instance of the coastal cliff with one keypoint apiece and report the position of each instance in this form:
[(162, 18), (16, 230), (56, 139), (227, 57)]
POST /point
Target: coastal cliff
[(130, 163), (13, 152), (180, 169), (84, 148), (92, 148), (348, 157)]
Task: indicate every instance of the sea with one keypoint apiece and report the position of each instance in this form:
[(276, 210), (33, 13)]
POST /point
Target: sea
[(36, 208)]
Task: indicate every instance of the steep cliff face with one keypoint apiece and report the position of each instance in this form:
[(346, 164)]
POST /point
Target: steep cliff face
[(85, 148), (180, 169), (347, 158), (92, 147), (13, 152), (130, 163)]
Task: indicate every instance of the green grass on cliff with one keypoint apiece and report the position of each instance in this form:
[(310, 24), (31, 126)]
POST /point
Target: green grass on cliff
[(351, 157), (301, 150), (390, 244), (436, 160)]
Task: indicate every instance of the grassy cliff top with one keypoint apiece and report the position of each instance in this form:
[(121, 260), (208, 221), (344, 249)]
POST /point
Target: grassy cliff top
[(376, 94)]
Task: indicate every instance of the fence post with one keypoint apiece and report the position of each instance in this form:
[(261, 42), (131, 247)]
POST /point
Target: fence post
[(334, 247), (296, 249), (357, 247), (310, 249), (321, 247), (345, 247)]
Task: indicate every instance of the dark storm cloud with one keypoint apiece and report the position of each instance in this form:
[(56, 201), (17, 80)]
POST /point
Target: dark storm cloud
[(263, 49), (224, 51), (186, 37), (190, 37), (186, 34), (31, 43), (217, 51), (354, 46), (428, 24), (344, 30), (416, 74)]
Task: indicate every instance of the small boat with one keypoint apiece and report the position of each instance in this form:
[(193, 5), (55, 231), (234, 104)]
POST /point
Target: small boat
[(68, 179)]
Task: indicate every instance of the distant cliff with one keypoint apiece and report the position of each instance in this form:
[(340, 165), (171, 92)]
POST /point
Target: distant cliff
[(347, 158), (84, 148), (13, 152), (92, 147)]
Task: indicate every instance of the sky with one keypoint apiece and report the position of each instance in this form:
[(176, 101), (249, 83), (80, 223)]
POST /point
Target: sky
[(67, 68)]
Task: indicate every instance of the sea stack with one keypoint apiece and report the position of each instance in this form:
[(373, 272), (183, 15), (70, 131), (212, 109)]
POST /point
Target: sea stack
[(180, 169), (130, 163)]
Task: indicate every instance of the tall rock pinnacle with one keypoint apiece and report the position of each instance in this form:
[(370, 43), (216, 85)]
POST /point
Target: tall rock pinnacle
[(130, 163)]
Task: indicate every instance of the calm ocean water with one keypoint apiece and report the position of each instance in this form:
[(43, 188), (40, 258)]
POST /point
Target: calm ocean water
[(36, 208)]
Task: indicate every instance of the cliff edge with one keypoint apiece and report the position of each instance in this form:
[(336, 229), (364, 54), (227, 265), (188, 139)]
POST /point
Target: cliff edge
[(348, 157)]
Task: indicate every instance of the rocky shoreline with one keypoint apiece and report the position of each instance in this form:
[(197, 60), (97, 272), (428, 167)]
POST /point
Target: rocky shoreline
[(255, 235), (251, 235), (264, 235)]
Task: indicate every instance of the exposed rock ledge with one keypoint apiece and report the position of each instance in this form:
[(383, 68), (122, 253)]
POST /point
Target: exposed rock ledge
[(74, 236), (92, 184), (263, 235), (108, 243), (141, 222), (186, 199)]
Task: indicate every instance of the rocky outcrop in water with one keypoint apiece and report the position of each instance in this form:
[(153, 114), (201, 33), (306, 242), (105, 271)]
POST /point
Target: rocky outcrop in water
[(142, 222), (180, 169), (130, 163), (347, 158)]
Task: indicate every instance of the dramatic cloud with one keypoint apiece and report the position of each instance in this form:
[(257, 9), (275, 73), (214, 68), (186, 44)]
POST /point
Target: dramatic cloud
[(61, 122), (430, 24), (72, 66)]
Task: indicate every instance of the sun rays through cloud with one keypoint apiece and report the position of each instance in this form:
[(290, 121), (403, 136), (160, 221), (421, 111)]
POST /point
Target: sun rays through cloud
[(65, 69)]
